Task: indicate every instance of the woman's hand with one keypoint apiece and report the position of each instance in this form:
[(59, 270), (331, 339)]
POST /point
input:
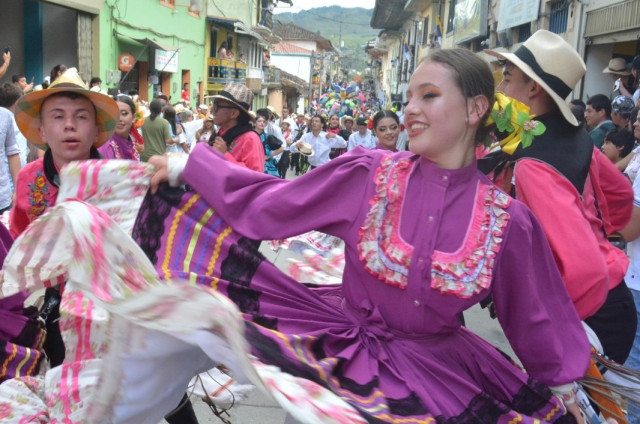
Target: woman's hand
[(574, 409), (162, 172), (139, 147)]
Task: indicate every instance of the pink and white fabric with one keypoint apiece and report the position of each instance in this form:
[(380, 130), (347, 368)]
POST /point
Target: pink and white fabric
[(119, 320)]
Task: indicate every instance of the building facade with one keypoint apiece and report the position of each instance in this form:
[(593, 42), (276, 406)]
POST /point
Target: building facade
[(598, 29), (152, 46)]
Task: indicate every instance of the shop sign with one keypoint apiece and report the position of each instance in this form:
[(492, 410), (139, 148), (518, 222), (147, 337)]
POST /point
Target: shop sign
[(166, 61), (126, 62)]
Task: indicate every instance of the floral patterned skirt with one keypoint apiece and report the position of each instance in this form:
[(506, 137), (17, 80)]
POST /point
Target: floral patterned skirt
[(310, 332), (218, 301)]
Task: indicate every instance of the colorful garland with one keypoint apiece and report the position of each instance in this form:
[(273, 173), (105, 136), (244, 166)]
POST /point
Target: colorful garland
[(512, 118)]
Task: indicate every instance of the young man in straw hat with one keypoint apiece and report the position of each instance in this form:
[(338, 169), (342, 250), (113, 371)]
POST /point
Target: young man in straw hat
[(72, 122), (236, 139), (576, 193)]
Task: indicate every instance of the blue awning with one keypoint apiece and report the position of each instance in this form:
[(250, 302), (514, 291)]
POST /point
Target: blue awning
[(225, 23)]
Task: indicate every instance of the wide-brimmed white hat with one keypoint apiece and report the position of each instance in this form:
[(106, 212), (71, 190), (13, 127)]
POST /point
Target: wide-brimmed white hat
[(273, 111), (551, 62), (305, 149), (289, 121), (346, 118)]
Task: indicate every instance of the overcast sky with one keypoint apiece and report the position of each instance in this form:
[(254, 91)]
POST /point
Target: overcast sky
[(312, 4)]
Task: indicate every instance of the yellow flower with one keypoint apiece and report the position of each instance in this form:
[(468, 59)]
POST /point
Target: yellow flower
[(510, 116), (40, 181)]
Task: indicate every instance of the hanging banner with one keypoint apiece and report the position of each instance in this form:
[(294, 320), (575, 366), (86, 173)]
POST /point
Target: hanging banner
[(517, 12), (470, 20)]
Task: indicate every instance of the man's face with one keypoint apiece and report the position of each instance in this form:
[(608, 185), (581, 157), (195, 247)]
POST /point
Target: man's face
[(348, 124), (22, 82), (225, 113), (513, 83), (68, 127), (285, 113), (593, 117)]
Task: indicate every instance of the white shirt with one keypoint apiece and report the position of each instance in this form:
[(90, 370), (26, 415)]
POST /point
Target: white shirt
[(321, 146), (368, 140), (8, 147), (633, 249)]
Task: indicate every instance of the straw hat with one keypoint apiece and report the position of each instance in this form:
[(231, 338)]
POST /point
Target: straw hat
[(209, 117), (273, 111), (29, 106), (305, 149), (617, 66), (238, 94), (289, 121), (346, 118), (551, 62)]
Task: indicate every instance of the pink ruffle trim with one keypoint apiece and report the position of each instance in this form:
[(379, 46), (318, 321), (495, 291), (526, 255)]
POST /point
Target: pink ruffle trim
[(469, 270), (384, 253)]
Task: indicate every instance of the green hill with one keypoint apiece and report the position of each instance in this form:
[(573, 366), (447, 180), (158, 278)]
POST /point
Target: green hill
[(351, 26)]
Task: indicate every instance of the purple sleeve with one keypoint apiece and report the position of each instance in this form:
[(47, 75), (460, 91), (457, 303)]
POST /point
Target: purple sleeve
[(263, 207), (533, 306), (6, 241), (106, 151)]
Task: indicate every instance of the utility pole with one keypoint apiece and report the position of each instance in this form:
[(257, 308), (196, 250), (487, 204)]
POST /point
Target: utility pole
[(311, 65)]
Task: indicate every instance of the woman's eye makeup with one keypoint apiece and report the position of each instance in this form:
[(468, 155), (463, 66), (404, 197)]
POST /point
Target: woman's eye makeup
[(431, 92)]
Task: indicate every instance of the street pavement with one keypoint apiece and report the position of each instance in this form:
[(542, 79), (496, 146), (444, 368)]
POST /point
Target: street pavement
[(260, 409)]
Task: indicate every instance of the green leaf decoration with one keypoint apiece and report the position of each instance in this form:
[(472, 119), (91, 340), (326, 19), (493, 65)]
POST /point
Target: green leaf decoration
[(526, 138), (503, 119), (531, 129), (522, 118), (539, 129)]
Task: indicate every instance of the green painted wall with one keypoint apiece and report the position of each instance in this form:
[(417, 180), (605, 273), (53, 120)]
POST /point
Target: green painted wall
[(152, 19), (244, 10)]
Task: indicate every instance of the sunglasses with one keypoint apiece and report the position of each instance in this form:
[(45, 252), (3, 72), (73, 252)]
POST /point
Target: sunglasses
[(217, 106)]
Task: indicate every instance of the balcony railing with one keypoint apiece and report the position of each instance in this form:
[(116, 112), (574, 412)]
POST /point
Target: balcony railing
[(222, 71), (272, 75)]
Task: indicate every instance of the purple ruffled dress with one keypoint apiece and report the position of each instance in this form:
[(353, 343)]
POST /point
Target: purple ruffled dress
[(422, 244)]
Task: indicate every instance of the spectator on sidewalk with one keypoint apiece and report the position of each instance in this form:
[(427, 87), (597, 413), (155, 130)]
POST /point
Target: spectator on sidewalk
[(598, 117)]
